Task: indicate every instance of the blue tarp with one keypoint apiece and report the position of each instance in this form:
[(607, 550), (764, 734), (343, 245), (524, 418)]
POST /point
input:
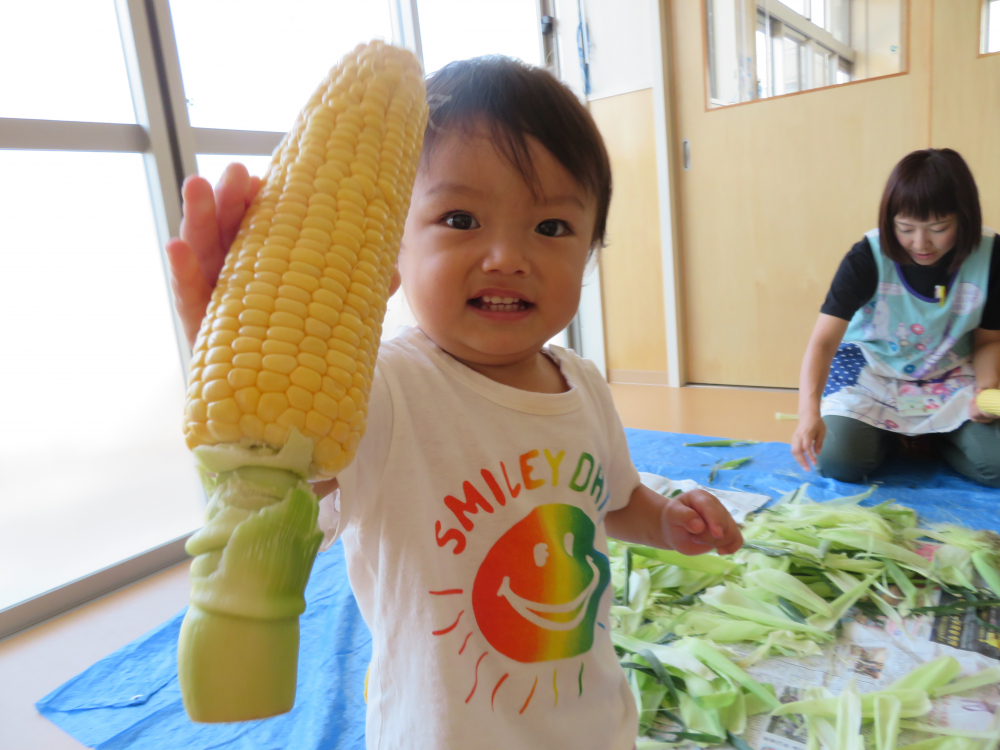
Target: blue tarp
[(131, 698), (930, 487)]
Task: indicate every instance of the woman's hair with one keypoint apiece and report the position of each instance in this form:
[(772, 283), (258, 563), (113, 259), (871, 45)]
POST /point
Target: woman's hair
[(933, 182), (514, 101)]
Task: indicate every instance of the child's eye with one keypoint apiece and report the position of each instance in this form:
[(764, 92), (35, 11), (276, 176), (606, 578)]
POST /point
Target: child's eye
[(461, 221), (553, 228)]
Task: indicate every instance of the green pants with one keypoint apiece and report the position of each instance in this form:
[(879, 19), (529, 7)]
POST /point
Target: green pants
[(853, 449)]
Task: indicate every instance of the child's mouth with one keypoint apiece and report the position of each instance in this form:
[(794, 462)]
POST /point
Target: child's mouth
[(496, 304)]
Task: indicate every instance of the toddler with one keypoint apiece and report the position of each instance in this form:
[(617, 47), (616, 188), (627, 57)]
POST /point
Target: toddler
[(475, 515)]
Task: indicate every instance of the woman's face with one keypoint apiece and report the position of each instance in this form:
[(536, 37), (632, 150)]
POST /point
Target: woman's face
[(926, 241)]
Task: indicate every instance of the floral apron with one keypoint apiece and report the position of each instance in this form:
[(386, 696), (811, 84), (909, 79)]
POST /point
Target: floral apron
[(905, 364)]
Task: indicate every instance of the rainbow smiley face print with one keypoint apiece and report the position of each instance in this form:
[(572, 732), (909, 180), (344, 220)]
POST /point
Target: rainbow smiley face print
[(536, 594)]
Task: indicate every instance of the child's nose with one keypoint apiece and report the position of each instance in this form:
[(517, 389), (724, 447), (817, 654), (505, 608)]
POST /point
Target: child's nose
[(505, 256)]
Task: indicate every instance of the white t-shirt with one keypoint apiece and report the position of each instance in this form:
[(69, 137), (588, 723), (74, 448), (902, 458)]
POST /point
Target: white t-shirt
[(472, 520)]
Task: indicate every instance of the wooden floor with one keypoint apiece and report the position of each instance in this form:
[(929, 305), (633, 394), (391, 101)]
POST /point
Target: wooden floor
[(746, 413), (35, 662)]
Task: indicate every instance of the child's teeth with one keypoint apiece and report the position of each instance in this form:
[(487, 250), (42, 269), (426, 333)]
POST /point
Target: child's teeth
[(501, 300)]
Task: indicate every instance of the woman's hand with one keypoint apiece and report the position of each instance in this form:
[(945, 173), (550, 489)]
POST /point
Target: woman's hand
[(978, 415), (807, 442), (696, 522), (211, 220)]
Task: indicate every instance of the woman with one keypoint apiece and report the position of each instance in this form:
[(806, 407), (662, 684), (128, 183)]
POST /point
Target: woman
[(909, 332)]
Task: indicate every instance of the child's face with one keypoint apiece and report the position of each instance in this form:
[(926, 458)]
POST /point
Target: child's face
[(490, 270), (926, 241)]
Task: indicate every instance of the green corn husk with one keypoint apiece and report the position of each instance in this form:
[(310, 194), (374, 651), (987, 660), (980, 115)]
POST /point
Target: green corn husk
[(804, 567), (989, 676)]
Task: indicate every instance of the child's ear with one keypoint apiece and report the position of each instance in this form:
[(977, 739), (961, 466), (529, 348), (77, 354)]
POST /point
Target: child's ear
[(395, 281)]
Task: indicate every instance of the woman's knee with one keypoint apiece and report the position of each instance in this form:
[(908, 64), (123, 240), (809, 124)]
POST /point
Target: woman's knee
[(847, 471), (979, 445), (851, 450)]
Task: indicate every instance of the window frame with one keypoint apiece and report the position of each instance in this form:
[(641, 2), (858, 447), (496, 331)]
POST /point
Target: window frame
[(151, 136), (771, 17), (168, 142)]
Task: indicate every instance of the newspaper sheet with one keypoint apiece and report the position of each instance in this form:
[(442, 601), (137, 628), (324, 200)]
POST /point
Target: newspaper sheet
[(739, 504), (877, 654)]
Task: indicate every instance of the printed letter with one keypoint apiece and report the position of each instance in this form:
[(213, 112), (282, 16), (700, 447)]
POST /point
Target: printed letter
[(516, 489), (579, 467), (495, 487), (554, 463), (598, 485), (526, 469), (472, 499), (452, 535)]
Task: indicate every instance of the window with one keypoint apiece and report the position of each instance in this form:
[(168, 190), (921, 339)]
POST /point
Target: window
[(96, 485), (991, 27), (459, 29), (798, 45), (93, 468), (63, 60)]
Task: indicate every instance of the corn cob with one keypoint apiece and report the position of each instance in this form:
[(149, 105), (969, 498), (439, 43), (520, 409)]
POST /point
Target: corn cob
[(988, 401), (281, 372)]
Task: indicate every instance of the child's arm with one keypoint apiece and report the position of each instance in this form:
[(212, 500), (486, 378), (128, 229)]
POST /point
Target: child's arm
[(691, 523)]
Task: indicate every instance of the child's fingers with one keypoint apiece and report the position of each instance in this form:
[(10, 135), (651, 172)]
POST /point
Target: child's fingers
[(232, 197), (708, 507), (681, 514), (255, 183), (200, 226), (191, 292)]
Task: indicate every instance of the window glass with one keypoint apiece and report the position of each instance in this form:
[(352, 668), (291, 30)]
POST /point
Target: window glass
[(93, 466), (821, 67), (460, 29), (760, 42), (252, 65), (802, 44), (817, 12), (993, 27), (62, 60), (791, 50)]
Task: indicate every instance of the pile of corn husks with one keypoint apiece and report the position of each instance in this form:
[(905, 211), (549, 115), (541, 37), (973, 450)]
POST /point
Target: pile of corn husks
[(803, 567)]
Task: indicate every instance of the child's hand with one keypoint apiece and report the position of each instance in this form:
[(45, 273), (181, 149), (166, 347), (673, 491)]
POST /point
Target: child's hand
[(211, 220), (696, 522)]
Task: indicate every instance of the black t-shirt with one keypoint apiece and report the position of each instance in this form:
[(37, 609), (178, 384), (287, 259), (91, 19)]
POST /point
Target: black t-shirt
[(856, 281)]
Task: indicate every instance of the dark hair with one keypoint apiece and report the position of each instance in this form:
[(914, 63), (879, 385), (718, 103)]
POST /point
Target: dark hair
[(515, 100), (932, 182)]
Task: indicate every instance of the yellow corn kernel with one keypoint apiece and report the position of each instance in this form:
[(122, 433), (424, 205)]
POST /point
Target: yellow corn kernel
[(988, 401), (291, 333)]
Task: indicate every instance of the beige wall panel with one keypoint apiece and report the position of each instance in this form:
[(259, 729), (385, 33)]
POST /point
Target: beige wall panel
[(631, 270), (777, 193), (965, 95)]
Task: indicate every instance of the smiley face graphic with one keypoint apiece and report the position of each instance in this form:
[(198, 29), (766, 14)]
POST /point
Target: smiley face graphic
[(536, 594)]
